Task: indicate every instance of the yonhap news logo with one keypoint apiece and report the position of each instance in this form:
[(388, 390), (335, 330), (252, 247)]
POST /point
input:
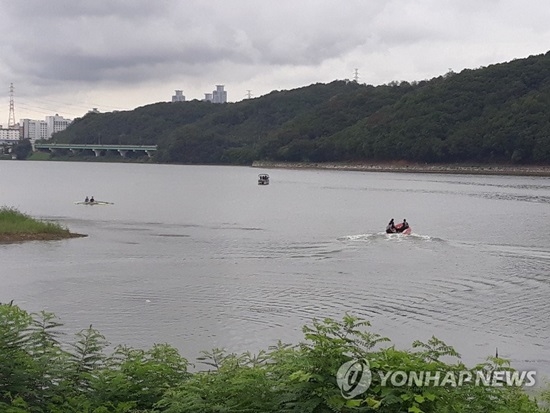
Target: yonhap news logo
[(355, 377)]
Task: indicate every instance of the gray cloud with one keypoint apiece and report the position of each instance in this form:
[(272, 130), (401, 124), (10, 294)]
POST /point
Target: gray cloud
[(132, 52)]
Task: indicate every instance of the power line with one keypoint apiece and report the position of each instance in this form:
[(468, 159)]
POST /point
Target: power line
[(72, 110), (83, 104), (43, 110)]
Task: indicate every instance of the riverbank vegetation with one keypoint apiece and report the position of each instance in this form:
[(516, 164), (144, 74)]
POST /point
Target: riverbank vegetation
[(494, 114), (16, 226), (43, 371)]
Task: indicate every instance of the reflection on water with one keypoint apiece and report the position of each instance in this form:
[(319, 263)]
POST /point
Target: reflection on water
[(202, 257)]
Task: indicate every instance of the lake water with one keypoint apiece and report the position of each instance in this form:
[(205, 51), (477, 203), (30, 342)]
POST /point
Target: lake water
[(202, 257)]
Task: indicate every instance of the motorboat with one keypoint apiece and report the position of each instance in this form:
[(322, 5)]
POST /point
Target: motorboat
[(400, 230), (263, 179)]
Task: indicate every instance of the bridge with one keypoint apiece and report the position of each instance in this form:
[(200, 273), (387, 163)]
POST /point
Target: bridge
[(97, 149)]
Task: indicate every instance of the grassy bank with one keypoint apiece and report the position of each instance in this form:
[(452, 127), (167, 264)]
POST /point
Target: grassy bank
[(16, 226), (39, 156)]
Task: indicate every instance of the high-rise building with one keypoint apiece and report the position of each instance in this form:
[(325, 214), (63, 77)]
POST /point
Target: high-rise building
[(42, 129), (178, 97), (34, 129), (56, 124), (217, 96)]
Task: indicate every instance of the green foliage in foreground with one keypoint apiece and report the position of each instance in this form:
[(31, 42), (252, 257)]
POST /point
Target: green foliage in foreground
[(13, 221), (39, 373)]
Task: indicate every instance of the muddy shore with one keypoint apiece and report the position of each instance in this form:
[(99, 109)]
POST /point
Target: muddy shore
[(22, 237), (518, 170)]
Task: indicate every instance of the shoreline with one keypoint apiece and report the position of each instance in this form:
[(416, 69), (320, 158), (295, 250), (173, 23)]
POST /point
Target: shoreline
[(404, 167), (19, 227), (14, 238)]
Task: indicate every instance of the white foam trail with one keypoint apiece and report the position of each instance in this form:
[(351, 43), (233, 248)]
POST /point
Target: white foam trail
[(388, 237)]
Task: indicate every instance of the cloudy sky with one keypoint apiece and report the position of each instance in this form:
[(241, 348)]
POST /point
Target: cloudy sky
[(68, 56)]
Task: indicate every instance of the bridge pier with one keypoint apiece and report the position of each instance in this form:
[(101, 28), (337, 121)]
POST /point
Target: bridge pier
[(149, 153), (123, 152), (97, 152)]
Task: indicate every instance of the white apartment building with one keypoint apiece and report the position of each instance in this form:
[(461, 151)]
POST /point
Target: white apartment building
[(56, 124), (34, 129), (178, 97), (9, 135), (217, 96), (43, 129)]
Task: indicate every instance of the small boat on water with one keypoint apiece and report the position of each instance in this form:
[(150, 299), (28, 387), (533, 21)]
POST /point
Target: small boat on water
[(401, 228), (93, 203), (263, 179)]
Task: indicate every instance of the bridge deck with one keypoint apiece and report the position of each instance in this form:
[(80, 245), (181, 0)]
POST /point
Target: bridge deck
[(96, 146)]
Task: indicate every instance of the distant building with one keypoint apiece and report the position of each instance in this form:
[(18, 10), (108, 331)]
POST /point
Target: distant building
[(34, 129), (11, 135), (9, 138), (178, 97), (42, 129), (217, 96), (56, 124)]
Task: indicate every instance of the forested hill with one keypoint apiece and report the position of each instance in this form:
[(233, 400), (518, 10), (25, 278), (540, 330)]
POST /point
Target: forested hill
[(499, 113)]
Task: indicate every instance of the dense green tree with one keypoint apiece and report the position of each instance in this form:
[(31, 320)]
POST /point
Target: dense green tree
[(491, 114), (22, 149)]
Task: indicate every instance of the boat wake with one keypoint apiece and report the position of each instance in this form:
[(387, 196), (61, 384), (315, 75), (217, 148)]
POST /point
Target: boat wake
[(383, 236)]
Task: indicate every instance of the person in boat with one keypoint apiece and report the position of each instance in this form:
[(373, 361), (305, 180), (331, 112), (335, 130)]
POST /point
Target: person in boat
[(390, 228), (403, 226), (92, 199), (87, 199)]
